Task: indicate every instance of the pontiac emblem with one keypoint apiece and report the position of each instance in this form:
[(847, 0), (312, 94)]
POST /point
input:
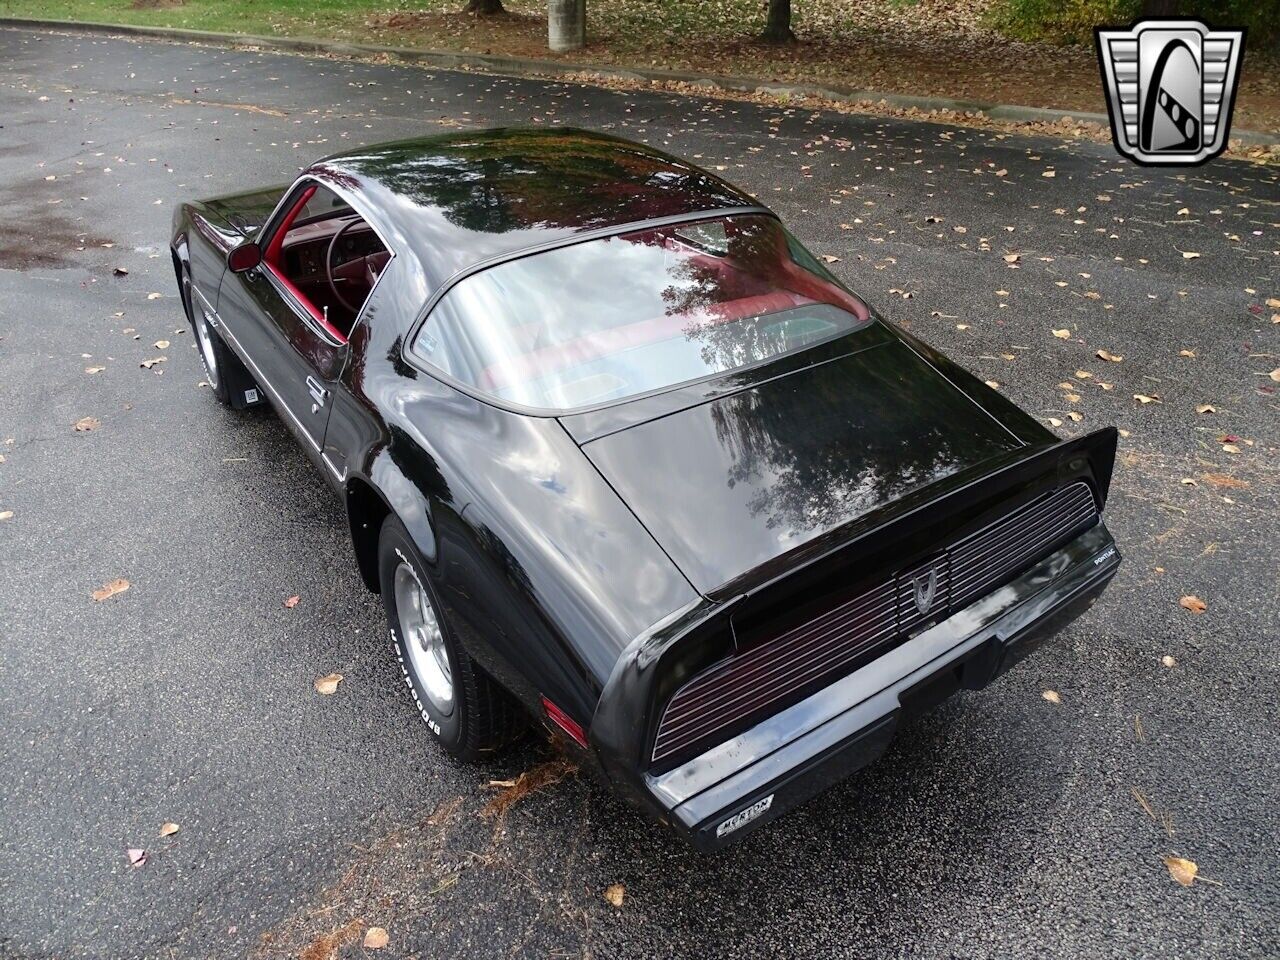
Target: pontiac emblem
[(925, 589), (1170, 87)]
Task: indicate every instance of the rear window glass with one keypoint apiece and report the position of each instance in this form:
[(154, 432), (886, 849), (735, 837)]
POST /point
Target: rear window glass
[(619, 316)]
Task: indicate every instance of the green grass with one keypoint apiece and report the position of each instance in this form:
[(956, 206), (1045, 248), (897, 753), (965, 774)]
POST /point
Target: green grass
[(363, 19), (649, 25), (229, 16)]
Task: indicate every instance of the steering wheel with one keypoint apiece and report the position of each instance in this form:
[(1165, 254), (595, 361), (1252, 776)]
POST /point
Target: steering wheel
[(329, 268)]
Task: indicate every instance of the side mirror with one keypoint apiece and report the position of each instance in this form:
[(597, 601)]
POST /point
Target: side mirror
[(244, 257)]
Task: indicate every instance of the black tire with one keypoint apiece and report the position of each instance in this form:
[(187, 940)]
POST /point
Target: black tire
[(483, 717), (230, 383)]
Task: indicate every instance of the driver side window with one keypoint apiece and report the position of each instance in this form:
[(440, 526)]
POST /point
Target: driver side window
[(327, 256)]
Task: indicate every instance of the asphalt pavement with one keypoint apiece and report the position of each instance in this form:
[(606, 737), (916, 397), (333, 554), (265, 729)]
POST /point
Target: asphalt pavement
[(1004, 824)]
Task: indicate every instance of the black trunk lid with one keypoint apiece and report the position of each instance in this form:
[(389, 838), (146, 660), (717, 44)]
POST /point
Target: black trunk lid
[(743, 483)]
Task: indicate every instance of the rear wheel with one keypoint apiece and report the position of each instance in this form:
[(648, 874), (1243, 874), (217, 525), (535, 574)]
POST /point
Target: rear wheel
[(462, 706)]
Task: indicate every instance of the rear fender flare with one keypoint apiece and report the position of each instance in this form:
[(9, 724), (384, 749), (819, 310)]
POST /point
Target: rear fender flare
[(398, 495)]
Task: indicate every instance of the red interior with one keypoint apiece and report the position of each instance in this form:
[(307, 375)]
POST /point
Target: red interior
[(274, 261), (602, 343), (746, 294)]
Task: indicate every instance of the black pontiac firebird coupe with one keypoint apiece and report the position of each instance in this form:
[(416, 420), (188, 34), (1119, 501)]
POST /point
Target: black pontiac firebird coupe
[(619, 453)]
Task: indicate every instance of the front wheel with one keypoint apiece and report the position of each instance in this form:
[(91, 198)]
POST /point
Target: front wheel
[(227, 377), (462, 706)]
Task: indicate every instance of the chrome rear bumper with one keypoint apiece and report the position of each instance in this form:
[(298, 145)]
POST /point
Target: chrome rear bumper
[(720, 795)]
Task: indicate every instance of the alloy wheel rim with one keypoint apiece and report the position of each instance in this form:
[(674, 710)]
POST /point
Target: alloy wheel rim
[(205, 337), (423, 640)]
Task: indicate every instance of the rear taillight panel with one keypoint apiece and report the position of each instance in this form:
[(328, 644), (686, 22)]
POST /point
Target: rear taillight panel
[(772, 671)]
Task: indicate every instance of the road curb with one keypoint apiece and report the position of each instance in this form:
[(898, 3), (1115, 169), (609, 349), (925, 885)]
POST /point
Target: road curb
[(531, 66)]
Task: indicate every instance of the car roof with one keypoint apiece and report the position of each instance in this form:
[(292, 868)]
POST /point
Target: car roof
[(460, 199)]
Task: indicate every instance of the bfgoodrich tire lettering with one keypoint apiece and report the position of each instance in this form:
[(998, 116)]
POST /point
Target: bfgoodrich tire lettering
[(476, 716)]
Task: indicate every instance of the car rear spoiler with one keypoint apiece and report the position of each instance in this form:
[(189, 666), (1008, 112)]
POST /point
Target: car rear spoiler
[(957, 501), (657, 663)]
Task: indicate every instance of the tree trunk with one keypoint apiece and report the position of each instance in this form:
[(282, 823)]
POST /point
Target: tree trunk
[(778, 27), (566, 24), (484, 8)]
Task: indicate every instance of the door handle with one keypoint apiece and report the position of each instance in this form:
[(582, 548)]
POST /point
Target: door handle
[(318, 393)]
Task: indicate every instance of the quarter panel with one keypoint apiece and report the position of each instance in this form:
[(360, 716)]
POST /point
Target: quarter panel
[(549, 574)]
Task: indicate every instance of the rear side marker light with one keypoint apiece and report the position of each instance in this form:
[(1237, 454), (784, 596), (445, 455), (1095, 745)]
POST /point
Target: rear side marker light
[(564, 722)]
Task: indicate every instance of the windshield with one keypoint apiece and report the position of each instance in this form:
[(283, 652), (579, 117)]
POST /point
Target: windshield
[(624, 315)]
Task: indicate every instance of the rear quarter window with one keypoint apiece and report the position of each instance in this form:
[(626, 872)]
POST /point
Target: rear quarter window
[(615, 317)]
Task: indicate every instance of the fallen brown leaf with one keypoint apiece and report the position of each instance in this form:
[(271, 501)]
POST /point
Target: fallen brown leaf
[(1190, 255), (828, 258), (85, 424), (614, 894), (6, 514), (154, 296), (161, 344), (148, 364), (328, 684), (992, 384), (375, 938), (1193, 603), (1275, 375), (1168, 661), (292, 602), (1108, 355), (94, 369), (1183, 871), (169, 829), (1063, 334), (1143, 399), (1052, 696), (107, 590), (1206, 408), (137, 856)]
